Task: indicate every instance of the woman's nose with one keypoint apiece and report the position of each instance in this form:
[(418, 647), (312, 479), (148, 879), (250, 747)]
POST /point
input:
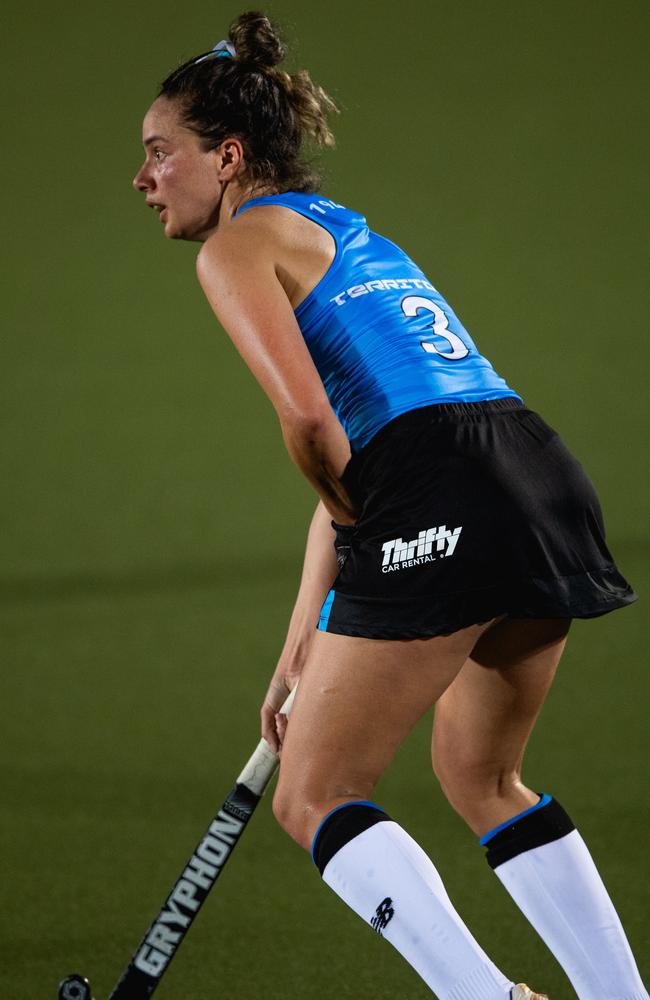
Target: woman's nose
[(139, 181)]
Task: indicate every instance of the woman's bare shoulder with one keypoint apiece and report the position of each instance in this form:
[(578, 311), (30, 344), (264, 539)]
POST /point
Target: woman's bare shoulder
[(247, 237), (265, 239)]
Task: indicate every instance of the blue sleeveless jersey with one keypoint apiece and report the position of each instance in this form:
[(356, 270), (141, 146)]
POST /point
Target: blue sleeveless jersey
[(382, 338)]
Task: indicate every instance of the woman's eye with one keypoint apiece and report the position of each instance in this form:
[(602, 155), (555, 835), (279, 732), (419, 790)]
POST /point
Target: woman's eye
[(158, 154)]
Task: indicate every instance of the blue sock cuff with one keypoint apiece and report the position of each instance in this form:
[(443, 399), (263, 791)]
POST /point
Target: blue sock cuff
[(342, 825), (544, 801), (344, 805)]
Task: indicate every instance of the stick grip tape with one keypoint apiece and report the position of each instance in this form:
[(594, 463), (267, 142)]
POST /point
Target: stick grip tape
[(261, 766)]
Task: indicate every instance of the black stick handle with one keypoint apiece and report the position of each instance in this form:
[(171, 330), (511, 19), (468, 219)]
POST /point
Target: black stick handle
[(165, 935)]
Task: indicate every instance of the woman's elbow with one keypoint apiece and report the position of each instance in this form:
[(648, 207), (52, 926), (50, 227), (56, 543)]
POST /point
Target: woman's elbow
[(307, 427)]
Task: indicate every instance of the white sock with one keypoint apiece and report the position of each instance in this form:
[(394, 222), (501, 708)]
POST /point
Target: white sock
[(388, 880), (546, 867)]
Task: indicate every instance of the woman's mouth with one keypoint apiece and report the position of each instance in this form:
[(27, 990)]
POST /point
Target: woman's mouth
[(160, 209)]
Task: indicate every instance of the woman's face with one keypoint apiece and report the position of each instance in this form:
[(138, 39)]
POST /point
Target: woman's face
[(180, 180)]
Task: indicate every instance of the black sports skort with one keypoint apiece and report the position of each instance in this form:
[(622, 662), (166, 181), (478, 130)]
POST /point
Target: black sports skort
[(469, 511)]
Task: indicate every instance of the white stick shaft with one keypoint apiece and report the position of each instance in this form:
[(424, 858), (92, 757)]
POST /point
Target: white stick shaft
[(262, 764)]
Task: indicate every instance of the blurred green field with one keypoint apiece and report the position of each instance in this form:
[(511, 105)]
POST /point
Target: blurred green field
[(153, 526)]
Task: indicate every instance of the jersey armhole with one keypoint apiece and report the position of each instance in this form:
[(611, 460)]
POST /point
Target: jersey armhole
[(255, 203)]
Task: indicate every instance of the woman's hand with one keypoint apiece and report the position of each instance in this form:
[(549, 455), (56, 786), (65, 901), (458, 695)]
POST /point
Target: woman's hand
[(274, 723)]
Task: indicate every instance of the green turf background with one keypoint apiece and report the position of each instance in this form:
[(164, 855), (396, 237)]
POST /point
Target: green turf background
[(152, 526)]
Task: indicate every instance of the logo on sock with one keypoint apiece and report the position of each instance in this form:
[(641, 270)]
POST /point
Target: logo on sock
[(383, 915), (399, 554)]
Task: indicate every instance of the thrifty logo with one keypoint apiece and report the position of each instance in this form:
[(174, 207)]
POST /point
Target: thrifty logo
[(399, 554), (188, 894)]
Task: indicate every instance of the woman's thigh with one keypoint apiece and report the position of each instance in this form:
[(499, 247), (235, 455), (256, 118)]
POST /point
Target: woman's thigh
[(357, 701), (485, 717)]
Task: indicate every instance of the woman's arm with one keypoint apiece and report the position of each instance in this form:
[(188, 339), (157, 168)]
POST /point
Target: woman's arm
[(318, 574), (238, 275)]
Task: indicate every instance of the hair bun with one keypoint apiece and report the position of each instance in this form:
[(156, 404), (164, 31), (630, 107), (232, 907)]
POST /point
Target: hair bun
[(256, 40)]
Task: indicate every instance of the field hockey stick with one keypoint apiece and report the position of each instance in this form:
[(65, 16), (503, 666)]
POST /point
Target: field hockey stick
[(167, 931)]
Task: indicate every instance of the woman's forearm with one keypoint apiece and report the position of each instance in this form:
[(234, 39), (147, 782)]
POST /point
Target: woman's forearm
[(319, 447), (318, 573)]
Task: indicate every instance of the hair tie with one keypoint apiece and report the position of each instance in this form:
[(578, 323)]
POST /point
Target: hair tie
[(222, 50)]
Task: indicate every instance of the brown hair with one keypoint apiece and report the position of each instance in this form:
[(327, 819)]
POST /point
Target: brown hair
[(246, 96)]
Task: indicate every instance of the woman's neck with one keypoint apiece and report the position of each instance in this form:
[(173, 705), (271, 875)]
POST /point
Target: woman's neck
[(236, 195)]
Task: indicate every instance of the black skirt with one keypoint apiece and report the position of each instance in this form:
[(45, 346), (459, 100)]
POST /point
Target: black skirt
[(469, 511)]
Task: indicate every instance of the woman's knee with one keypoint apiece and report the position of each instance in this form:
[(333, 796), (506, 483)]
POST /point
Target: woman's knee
[(470, 786), (300, 811), (299, 814), (288, 814)]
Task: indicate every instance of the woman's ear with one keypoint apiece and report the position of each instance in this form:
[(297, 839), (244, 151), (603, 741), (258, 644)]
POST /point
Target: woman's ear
[(230, 157)]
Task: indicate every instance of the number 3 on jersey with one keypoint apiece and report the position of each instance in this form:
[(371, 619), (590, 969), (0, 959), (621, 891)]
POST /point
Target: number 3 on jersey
[(410, 306)]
